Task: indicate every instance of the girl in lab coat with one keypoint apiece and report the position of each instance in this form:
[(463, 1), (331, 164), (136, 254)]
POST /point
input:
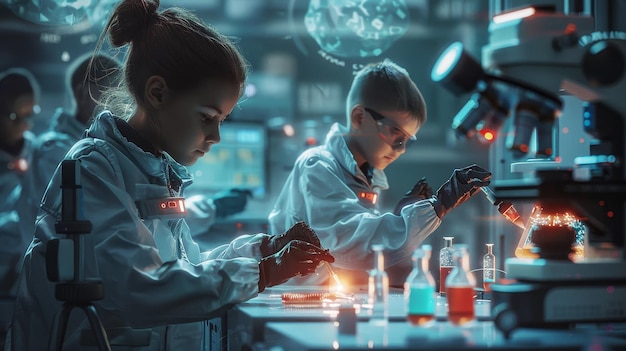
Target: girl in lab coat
[(185, 79)]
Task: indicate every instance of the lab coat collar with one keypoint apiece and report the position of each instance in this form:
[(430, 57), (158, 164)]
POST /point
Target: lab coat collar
[(104, 127), (335, 143)]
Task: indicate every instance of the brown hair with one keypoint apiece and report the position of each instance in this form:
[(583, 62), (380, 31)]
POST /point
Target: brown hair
[(173, 44), (386, 86)]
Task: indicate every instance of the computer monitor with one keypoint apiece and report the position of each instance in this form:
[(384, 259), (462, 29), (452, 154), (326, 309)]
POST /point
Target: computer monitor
[(239, 160)]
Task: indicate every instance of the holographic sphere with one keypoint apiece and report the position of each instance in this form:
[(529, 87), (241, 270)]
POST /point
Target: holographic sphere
[(61, 12), (351, 28)]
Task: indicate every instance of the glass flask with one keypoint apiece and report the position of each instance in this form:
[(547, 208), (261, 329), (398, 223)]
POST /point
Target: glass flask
[(460, 288), (419, 289), (445, 263), (378, 288), (489, 268), (552, 233)]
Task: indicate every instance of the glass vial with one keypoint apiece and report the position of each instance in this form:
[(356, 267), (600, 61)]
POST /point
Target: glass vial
[(419, 289), (460, 288), (489, 268), (378, 288), (445, 263)]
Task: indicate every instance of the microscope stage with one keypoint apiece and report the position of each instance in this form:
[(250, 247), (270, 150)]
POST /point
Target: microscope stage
[(539, 270)]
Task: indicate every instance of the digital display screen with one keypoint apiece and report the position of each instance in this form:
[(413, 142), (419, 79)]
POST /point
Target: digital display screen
[(238, 161)]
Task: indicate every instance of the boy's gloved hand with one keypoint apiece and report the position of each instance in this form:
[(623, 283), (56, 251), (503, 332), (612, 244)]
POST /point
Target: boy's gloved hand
[(230, 202), (463, 183), (296, 258), (299, 231), (420, 191)]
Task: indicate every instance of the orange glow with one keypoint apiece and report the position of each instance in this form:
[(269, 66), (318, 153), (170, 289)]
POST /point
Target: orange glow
[(558, 159), (310, 141), (581, 140), (571, 28), (523, 148), (335, 284), (514, 15), (371, 197), (488, 135), (565, 130)]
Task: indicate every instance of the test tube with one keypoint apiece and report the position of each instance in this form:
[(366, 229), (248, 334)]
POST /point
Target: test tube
[(489, 268), (445, 263)]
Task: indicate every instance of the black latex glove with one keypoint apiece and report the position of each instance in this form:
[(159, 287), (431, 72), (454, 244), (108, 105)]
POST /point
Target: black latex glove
[(299, 231), (463, 183), (420, 191), (297, 258), (230, 202)]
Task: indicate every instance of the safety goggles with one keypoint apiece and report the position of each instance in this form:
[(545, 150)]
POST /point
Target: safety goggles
[(390, 132)]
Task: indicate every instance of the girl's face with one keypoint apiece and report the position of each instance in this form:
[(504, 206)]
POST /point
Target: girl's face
[(190, 122), (15, 122)]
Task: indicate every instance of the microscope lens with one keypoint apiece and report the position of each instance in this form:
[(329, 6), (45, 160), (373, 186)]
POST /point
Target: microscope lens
[(523, 127)]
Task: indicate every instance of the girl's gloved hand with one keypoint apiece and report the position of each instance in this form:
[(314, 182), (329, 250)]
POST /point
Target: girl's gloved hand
[(299, 231), (297, 258)]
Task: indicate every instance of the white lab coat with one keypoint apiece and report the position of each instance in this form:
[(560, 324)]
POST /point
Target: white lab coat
[(153, 273), (323, 190)]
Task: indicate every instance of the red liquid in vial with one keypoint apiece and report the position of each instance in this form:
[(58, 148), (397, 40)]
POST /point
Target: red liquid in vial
[(419, 319), (460, 304), (443, 274)]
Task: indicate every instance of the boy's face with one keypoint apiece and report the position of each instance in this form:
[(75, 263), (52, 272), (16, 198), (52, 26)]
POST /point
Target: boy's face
[(383, 135)]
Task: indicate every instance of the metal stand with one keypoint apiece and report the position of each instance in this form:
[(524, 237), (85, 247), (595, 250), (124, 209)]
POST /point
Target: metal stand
[(72, 288)]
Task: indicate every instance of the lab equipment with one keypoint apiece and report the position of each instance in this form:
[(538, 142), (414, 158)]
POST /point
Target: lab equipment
[(489, 268), (378, 289), (445, 263), (504, 207), (64, 261), (460, 286), (552, 235), (533, 54), (419, 289)]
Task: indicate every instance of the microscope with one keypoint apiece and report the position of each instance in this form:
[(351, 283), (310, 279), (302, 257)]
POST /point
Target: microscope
[(540, 69)]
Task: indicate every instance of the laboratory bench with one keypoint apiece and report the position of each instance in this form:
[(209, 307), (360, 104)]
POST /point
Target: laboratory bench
[(268, 323)]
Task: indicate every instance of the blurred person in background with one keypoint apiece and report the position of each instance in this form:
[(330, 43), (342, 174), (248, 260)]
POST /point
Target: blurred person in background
[(86, 79), (18, 103)]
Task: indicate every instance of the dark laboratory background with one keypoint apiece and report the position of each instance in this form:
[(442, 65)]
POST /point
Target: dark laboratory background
[(296, 90)]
